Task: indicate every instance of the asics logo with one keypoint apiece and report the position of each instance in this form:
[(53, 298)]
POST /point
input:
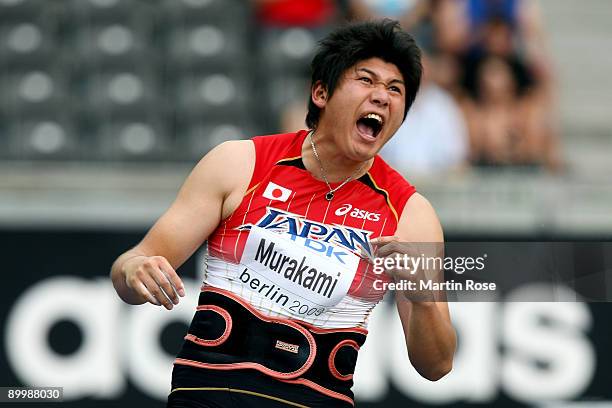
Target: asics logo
[(357, 213)]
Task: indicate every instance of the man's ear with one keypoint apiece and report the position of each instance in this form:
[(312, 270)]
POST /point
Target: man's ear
[(319, 94)]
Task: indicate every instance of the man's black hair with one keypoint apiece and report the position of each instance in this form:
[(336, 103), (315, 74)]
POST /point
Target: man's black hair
[(346, 46)]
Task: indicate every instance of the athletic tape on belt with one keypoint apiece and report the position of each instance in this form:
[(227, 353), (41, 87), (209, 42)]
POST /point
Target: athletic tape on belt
[(227, 333)]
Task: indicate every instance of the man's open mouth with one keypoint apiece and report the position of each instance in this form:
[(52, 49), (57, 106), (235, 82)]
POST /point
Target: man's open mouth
[(370, 124)]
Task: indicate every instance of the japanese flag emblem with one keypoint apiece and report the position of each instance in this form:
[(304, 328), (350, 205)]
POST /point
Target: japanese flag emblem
[(276, 192)]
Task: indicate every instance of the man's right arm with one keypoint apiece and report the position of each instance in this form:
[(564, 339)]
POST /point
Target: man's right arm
[(147, 272)]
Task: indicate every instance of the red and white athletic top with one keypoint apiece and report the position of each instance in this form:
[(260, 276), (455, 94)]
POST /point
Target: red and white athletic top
[(291, 253)]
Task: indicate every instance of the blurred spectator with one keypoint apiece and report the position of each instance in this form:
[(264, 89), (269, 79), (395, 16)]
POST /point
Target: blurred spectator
[(503, 124), (295, 13), (407, 12), (498, 42), (513, 31), (459, 25), (447, 71), (451, 30), (525, 27), (439, 24), (529, 96), (434, 138)]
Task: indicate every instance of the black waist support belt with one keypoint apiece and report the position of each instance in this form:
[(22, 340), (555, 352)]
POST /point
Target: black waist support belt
[(227, 333)]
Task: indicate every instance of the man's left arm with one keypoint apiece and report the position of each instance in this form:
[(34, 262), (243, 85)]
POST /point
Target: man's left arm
[(430, 336)]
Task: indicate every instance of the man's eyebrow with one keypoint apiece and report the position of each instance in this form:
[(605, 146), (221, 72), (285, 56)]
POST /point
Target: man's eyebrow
[(374, 74)]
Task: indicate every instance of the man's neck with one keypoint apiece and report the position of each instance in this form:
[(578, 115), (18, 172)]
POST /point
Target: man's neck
[(336, 166)]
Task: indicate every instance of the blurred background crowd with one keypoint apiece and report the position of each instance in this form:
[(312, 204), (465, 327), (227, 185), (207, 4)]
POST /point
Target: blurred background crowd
[(166, 80), (511, 115)]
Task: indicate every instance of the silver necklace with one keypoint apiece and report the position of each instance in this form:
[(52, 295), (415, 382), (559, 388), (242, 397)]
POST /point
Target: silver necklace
[(330, 194)]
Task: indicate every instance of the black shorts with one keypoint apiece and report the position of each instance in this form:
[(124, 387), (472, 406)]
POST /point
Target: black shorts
[(204, 388)]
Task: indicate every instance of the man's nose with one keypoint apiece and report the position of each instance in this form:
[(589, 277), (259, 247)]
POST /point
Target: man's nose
[(380, 96)]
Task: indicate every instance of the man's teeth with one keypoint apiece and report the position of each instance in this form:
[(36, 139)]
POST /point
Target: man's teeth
[(374, 116)]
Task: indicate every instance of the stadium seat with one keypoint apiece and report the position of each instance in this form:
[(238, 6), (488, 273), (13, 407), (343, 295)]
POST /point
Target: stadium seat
[(286, 89), (199, 137), (111, 43), (26, 42), (33, 91), (205, 45), (48, 136), (120, 69), (287, 50), (137, 138), (212, 94), (118, 90)]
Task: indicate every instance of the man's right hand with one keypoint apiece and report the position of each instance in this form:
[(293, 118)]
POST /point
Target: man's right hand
[(205, 199), (153, 279)]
